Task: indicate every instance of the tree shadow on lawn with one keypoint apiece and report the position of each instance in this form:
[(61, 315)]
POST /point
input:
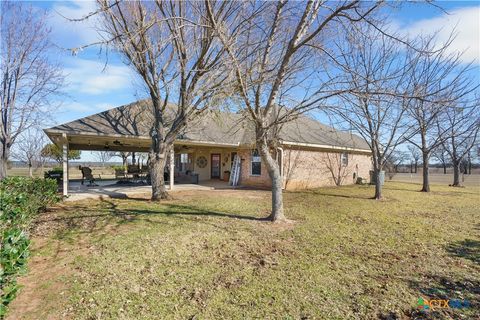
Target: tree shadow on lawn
[(84, 219), (447, 288), (468, 249), (325, 193)]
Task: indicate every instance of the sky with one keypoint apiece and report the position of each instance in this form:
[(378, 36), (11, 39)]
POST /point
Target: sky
[(94, 85)]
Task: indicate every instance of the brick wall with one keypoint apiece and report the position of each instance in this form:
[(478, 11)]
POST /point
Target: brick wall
[(303, 169), (246, 178)]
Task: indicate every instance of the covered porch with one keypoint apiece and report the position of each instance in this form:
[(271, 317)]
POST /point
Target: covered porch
[(192, 165)]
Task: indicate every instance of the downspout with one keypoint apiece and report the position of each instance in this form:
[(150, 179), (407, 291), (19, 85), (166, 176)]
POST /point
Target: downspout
[(280, 151)]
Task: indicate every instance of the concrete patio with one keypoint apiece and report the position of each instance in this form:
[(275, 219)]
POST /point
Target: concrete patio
[(110, 189)]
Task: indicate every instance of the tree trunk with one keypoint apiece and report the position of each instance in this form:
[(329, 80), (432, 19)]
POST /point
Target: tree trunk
[(378, 184), (4, 153), (273, 169), (456, 174), (30, 171), (416, 166), (426, 180), (158, 160), (444, 168), (134, 160)]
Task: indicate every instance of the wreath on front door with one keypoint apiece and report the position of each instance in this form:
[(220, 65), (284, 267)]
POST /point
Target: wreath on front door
[(201, 162)]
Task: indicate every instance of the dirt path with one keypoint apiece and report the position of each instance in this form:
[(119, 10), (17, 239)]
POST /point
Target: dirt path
[(43, 292)]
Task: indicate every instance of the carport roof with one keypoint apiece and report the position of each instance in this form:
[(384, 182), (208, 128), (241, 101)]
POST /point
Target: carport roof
[(128, 127)]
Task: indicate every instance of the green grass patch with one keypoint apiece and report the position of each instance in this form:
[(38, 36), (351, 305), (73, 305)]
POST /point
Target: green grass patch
[(206, 255)]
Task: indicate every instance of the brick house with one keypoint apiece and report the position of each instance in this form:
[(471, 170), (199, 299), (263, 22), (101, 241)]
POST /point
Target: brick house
[(310, 154)]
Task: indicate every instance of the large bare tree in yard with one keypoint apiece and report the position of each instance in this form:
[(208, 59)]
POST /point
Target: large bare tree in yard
[(29, 79), (461, 124), (374, 76), (172, 47), (438, 80), (272, 49)]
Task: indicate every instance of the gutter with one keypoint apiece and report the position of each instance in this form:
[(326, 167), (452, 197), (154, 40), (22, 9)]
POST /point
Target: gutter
[(324, 146), (281, 167)]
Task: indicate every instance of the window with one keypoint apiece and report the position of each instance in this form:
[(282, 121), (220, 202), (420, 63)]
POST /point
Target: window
[(183, 162), (344, 159), (256, 163)]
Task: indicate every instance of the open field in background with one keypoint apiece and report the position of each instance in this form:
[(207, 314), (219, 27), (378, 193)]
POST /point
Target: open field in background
[(206, 255), (437, 178), (436, 175), (23, 172), (106, 172)]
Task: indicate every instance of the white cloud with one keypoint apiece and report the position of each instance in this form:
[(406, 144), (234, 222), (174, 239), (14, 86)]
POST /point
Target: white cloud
[(93, 77), (70, 34), (465, 22)]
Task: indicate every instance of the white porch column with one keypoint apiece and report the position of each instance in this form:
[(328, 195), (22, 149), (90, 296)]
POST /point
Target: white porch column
[(65, 163), (172, 167)]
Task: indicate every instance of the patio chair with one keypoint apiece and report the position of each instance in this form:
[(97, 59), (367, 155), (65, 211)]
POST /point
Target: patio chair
[(133, 169), (87, 175)]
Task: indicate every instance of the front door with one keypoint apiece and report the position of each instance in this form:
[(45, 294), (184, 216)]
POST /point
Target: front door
[(215, 166)]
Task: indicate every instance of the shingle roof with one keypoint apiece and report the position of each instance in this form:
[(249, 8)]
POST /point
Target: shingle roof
[(135, 119)]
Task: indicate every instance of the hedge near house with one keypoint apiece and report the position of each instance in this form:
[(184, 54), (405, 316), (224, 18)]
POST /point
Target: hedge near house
[(21, 199)]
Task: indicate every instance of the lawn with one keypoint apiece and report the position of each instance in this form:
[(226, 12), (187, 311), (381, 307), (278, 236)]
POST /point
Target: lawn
[(206, 255)]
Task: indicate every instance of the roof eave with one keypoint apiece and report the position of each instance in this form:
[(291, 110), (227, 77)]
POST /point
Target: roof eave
[(326, 147)]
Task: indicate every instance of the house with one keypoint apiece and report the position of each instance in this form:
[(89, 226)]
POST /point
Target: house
[(310, 154)]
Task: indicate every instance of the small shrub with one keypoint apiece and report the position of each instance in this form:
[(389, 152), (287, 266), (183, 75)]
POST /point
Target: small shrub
[(20, 200), (360, 181), (13, 261), (55, 173)]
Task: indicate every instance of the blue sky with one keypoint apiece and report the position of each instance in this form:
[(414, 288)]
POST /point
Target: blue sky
[(94, 86)]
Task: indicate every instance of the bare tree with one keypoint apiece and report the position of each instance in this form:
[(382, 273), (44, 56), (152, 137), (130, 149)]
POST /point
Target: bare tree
[(172, 47), (441, 155), (28, 149), (104, 156), (374, 76), (29, 79), (415, 156), (393, 162), (272, 46), (337, 165), (438, 79), (462, 125)]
